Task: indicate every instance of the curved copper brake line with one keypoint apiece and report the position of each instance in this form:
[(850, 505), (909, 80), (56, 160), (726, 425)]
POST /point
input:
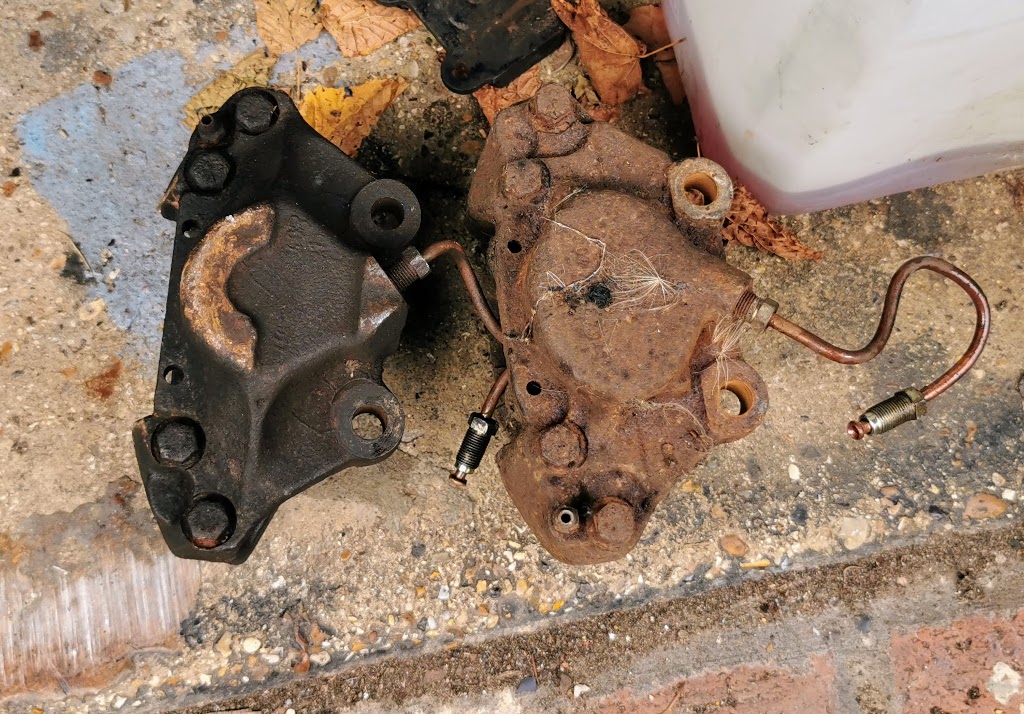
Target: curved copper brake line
[(476, 295), (888, 319), (493, 396)]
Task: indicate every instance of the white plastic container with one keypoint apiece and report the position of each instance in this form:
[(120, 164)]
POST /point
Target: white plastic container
[(820, 103)]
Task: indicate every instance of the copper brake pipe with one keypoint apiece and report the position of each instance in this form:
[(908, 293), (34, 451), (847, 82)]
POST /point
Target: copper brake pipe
[(889, 308), (476, 295), (494, 396)]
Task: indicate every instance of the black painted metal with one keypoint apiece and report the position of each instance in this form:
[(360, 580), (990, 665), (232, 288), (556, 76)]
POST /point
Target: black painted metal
[(489, 41), (229, 441)]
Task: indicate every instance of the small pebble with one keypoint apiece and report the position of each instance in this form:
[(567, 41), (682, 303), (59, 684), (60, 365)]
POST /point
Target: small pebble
[(854, 532), (419, 550), (91, 310), (1009, 494), (320, 658), (272, 658), (251, 645), (734, 546), (527, 686), (891, 492), (224, 645), (984, 505), (794, 472), (579, 690), (205, 680), (120, 702), (444, 593)]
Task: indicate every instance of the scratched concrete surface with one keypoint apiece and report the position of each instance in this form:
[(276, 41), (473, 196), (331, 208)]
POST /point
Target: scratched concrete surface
[(377, 561)]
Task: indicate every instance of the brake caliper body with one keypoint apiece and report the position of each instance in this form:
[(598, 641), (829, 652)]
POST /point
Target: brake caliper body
[(621, 320), (280, 312)]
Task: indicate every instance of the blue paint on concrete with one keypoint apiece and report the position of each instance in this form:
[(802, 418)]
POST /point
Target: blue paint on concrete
[(318, 54), (102, 158), (241, 41)]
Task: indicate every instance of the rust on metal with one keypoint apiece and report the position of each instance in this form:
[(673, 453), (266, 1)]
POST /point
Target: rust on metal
[(204, 284), (620, 322)]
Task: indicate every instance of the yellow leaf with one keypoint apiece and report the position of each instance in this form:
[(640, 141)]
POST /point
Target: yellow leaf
[(362, 26), (284, 25), (254, 70), (346, 117), (492, 99)]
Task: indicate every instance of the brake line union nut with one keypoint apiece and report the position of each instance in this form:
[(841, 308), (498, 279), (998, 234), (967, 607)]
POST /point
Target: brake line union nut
[(474, 445)]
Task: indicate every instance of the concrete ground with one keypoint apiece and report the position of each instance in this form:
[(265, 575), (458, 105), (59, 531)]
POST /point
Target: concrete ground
[(387, 584)]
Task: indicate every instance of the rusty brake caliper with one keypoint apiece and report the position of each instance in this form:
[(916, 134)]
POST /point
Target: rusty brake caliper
[(620, 322)]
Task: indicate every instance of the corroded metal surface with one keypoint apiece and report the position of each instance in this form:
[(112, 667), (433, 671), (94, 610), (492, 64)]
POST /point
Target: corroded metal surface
[(204, 284), (621, 322), (280, 313)]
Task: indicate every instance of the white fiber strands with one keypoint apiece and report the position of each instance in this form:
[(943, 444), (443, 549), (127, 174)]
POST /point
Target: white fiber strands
[(58, 625)]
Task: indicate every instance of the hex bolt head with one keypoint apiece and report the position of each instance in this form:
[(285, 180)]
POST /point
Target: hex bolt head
[(522, 180), (208, 172), (554, 103), (408, 269), (255, 113), (761, 312), (177, 443), (614, 521), (480, 425), (208, 523), (563, 446)]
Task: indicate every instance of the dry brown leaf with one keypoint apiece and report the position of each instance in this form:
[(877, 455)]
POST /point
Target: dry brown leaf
[(584, 92), (647, 24), (749, 224), (362, 26), (493, 99), (610, 54), (347, 116), (253, 70), (285, 25)]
